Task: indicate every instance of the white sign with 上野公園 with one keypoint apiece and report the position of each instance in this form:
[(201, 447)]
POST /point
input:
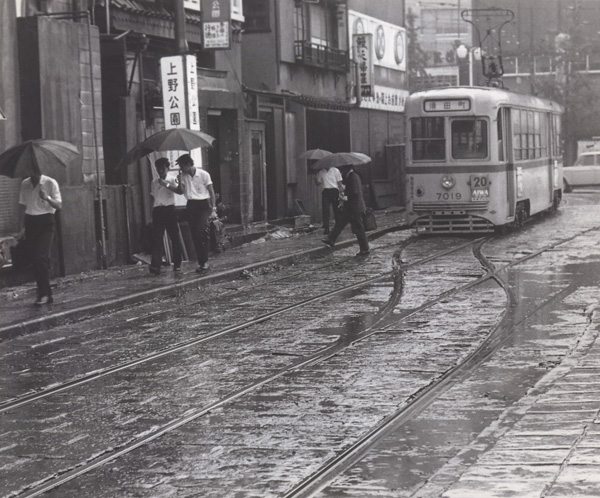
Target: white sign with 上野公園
[(180, 91)]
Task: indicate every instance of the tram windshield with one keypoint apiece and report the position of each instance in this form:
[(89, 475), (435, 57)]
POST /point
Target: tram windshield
[(469, 139), (428, 140)]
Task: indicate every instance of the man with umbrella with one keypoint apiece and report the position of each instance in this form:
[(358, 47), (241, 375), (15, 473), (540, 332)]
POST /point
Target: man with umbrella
[(330, 179), (164, 216), (40, 198), (353, 211), (196, 185)]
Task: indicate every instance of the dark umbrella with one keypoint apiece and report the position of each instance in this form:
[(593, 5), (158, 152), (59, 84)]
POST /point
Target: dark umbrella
[(339, 159), (35, 156), (314, 154), (173, 139)]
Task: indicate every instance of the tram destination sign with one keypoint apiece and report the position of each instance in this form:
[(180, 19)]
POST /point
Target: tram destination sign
[(447, 105)]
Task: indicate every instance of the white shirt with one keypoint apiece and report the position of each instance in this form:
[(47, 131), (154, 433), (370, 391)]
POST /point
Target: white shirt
[(196, 187), (162, 195), (329, 178), (29, 195)]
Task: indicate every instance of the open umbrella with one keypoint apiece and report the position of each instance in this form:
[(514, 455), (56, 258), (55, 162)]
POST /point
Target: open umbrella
[(172, 139), (314, 154), (340, 159), (33, 157)]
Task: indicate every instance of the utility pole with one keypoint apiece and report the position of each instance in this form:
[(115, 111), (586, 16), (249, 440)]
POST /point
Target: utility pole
[(182, 45)]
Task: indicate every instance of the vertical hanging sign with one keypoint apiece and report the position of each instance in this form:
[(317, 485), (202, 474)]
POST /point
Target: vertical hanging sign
[(180, 91), (363, 56), (216, 24)]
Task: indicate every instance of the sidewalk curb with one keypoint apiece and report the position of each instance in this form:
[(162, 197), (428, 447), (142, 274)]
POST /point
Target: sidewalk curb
[(169, 290)]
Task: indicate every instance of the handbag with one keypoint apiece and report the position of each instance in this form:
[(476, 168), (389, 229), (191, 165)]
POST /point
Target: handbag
[(369, 221)]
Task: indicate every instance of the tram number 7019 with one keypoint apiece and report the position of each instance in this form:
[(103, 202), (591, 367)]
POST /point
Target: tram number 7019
[(480, 188)]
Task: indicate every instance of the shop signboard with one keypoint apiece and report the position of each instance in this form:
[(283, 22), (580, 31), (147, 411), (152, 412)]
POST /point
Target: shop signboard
[(216, 24), (363, 57)]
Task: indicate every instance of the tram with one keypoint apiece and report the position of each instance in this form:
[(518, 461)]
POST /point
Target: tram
[(479, 159)]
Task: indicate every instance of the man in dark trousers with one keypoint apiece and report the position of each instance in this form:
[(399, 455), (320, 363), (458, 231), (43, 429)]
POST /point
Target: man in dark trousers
[(196, 185), (353, 211), (164, 216), (39, 198)]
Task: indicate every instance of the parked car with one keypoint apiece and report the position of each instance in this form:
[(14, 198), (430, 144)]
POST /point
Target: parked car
[(584, 173)]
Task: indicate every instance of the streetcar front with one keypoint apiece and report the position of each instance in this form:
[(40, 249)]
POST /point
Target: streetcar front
[(452, 175)]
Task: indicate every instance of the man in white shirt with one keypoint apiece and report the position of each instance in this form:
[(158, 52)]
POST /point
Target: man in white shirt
[(331, 181), (39, 198), (196, 185), (164, 216)]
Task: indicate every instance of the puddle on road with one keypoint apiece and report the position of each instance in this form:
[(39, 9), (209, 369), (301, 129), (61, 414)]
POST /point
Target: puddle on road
[(538, 335)]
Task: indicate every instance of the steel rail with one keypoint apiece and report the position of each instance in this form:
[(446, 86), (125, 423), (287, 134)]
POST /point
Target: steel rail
[(57, 388), (428, 393), (319, 356)]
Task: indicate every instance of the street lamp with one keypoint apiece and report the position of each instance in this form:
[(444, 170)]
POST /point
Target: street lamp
[(467, 55)]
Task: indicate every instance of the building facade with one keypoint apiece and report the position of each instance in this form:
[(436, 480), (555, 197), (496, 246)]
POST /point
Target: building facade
[(280, 79), (300, 81)]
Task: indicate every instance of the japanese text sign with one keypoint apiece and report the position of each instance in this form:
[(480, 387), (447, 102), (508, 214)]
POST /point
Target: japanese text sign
[(363, 44), (216, 24), (180, 92)]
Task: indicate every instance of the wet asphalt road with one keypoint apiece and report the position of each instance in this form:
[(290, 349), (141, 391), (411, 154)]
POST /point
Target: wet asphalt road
[(234, 412)]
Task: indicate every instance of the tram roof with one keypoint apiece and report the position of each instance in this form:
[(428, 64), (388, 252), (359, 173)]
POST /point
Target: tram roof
[(493, 96)]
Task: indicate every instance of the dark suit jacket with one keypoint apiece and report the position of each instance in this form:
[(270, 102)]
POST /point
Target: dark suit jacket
[(354, 191)]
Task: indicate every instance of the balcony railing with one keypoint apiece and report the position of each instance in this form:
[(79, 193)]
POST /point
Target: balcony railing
[(313, 54)]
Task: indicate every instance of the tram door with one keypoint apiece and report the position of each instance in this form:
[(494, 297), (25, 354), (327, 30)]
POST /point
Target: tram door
[(506, 155)]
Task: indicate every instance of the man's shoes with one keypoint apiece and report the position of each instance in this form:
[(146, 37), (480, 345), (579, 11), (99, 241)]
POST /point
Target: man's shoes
[(154, 270), (177, 268), (44, 300), (327, 242), (202, 268), (363, 253)]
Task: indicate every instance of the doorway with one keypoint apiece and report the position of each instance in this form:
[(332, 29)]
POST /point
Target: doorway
[(259, 183)]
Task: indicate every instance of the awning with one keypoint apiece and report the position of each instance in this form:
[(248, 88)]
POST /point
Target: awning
[(153, 20)]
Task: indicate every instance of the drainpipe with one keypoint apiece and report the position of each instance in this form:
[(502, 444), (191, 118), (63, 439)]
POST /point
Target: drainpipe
[(182, 45), (97, 159), (107, 14)]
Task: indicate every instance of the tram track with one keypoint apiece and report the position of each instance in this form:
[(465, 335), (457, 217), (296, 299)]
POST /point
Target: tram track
[(420, 400), (317, 357), (100, 373)]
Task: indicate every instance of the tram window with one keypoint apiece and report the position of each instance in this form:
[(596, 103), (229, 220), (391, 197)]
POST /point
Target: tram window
[(469, 139), (428, 140), (516, 126)]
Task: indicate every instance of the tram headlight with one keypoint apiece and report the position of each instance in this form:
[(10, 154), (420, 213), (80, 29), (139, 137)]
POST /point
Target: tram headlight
[(448, 182)]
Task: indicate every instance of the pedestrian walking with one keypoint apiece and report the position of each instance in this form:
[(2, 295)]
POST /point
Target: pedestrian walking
[(330, 179), (353, 211), (39, 198), (196, 185), (164, 217)]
